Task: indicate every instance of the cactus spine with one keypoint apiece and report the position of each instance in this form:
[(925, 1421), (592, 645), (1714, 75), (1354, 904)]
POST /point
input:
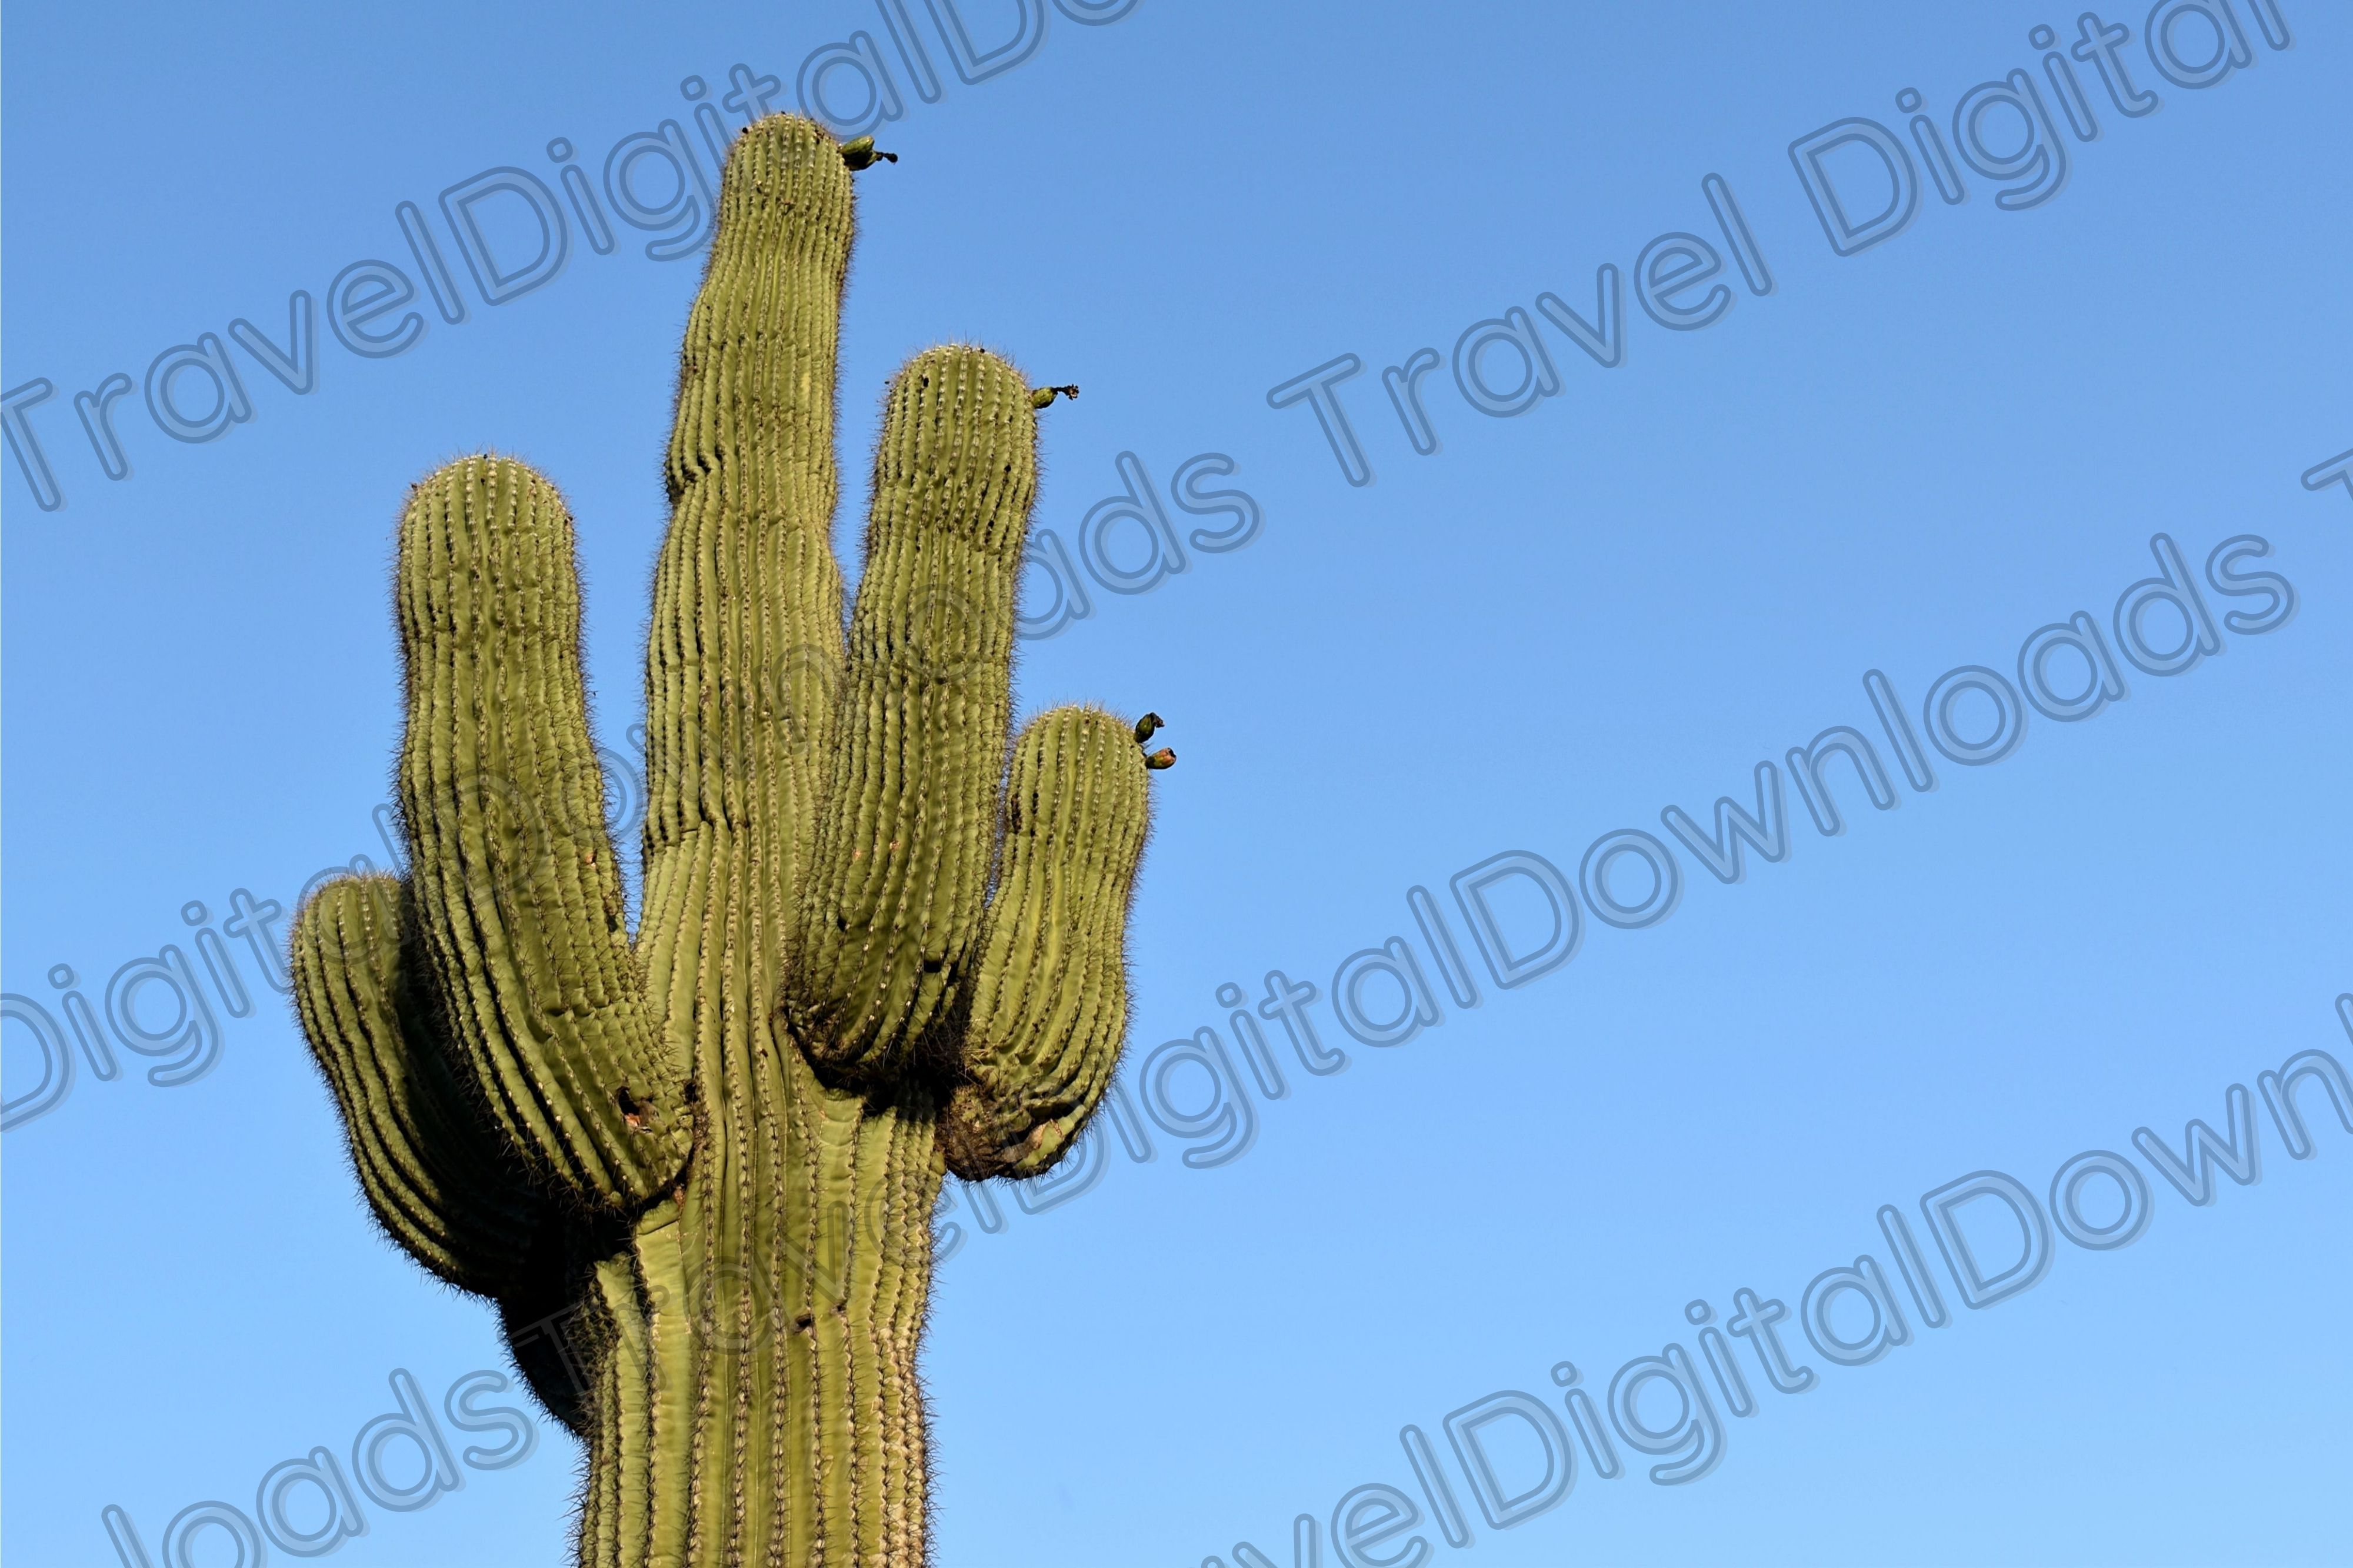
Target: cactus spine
[(695, 1167)]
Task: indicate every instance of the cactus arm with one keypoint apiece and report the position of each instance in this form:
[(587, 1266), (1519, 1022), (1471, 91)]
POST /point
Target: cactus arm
[(1049, 1000), (517, 891), (903, 850), (431, 1168), (744, 651)]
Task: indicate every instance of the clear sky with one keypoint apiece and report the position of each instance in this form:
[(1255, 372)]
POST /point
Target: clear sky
[(1785, 440)]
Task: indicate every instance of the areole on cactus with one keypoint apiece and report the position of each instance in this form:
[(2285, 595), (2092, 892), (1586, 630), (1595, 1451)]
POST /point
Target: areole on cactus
[(873, 949)]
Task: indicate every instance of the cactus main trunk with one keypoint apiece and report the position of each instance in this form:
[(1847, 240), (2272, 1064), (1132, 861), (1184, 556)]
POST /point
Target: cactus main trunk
[(695, 1166), (755, 1348)]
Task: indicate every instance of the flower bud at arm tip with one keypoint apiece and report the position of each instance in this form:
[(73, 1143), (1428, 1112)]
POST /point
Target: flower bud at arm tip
[(1146, 725), (1163, 758), (1041, 396)]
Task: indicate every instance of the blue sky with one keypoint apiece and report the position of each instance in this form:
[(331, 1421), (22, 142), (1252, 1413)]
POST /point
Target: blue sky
[(1907, 459)]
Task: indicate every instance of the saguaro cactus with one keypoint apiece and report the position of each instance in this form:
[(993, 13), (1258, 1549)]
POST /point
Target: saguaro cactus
[(696, 1168)]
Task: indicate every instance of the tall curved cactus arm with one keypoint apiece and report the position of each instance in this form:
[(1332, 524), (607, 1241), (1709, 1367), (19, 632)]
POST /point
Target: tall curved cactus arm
[(904, 848), (1050, 1005), (743, 657), (434, 1173), (517, 892)]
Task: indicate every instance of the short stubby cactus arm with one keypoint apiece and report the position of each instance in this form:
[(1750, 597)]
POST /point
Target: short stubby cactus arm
[(518, 895), (433, 1170), (905, 846), (1049, 1002)]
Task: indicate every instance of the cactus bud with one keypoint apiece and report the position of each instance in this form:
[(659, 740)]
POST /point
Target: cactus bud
[(861, 154), (1043, 396), (1163, 758), (1146, 725)]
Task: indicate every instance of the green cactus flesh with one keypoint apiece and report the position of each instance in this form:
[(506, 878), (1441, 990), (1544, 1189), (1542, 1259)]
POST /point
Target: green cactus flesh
[(696, 1167)]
